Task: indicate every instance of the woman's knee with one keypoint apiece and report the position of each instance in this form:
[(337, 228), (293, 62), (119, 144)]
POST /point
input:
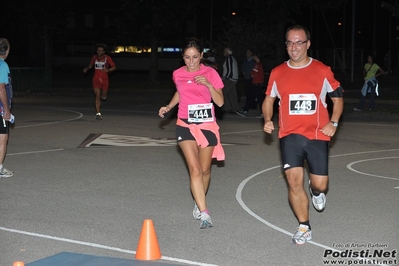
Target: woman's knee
[(206, 171), (195, 172)]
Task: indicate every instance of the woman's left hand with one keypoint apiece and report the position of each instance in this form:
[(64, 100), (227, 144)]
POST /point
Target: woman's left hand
[(163, 110), (201, 80)]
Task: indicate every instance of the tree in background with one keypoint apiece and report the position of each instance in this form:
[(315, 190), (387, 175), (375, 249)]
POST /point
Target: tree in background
[(261, 24), (38, 22), (392, 6)]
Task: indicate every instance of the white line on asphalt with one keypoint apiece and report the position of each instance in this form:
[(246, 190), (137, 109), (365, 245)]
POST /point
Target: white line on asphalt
[(30, 152), (363, 152), (56, 122), (245, 207), (369, 124), (258, 130), (349, 166), (240, 132), (94, 245), (77, 241)]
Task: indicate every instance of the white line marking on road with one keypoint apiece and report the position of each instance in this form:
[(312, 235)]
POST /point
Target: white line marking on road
[(245, 207), (31, 152), (349, 166), (363, 152), (368, 124), (238, 197), (129, 141), (80, 115), (94, 245), (240, 132), (261, 130), (77, 241)]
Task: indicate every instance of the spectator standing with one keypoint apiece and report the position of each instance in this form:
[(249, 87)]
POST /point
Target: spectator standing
[(256, 91), (5, 104), (370, 83), (212, 59), (230, 78), (246, 70)]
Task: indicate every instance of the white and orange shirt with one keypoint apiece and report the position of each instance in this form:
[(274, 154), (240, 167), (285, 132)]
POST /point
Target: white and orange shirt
[(302, 92)]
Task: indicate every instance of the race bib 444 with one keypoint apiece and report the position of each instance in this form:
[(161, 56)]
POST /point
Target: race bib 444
[(200, 113)]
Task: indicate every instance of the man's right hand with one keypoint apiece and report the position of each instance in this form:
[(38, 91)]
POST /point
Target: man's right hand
[(268, 126)]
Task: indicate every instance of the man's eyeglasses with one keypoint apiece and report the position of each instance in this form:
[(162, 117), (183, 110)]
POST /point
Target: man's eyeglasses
[(297, 43)]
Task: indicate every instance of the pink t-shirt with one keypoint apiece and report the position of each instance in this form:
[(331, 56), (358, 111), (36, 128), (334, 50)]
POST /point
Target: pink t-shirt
[(191, 92)]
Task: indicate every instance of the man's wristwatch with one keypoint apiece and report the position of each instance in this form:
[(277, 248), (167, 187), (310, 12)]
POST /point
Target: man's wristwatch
[(335, 124)]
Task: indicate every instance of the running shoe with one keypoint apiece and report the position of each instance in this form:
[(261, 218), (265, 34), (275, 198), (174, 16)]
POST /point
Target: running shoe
[(301, 235), (319, 202), (206, 221), (196, 212), (242, 113), (6, 173), (98, 116)]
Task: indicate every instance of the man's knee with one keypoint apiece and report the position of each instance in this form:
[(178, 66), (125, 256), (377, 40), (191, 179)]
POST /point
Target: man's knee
[(319, 183), (295, 177)]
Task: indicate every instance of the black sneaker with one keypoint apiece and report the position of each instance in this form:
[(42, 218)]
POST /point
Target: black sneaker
[(242, 113)]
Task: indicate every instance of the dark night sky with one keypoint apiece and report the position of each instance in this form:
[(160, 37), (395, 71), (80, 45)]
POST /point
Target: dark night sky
[(325, 31), (372, 26), (323, 26)]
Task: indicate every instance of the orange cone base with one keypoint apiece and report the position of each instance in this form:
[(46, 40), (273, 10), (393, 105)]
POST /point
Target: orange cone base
[(148, 247), (18, 263)]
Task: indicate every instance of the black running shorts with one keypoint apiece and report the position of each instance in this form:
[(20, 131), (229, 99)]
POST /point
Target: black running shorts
[(295, 149), (4, 126), (183, 133)]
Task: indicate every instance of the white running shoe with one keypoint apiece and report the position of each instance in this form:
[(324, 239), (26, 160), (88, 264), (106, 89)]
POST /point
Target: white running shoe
[(319, 202), (196, 212), (6, 173), (301, 235), (206, 221), (98, 116)]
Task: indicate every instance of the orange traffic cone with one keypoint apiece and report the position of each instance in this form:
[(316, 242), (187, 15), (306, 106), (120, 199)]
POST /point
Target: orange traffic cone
[(18, 263), (148, 248)]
